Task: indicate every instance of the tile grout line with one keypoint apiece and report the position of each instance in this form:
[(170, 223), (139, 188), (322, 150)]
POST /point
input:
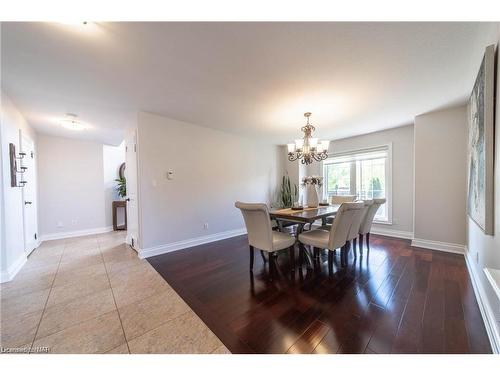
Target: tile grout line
[(113, 294), (48, 296)]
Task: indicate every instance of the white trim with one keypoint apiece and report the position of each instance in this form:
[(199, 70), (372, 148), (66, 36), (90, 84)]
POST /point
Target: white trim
[(437, 245), (495, 284), (179, 245), (484, 307), (12, 271), (392, 233), (76, 233)]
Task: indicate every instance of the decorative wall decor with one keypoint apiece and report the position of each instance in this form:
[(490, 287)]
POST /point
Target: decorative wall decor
[(480, 144), (13, 165)]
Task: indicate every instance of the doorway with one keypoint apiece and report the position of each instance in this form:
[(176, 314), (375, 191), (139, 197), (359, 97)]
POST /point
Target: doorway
[(29, 194)]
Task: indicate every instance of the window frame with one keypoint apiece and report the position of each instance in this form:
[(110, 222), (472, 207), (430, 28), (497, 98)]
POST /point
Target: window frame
[(353, 178)]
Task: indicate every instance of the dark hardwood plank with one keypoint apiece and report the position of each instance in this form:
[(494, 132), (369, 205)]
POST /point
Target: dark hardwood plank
[(433, 321), (308, 341), (393, 299)]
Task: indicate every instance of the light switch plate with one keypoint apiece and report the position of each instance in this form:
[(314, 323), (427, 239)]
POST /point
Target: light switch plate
[(170, 175)]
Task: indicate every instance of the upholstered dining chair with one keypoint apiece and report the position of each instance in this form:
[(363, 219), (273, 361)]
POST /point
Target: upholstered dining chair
[(262, 237), (366, 225), (336, 237), (339, 199), (358, 217)]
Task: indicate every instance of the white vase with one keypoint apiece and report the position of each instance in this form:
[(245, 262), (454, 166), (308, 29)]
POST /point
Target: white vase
[(311, 194)]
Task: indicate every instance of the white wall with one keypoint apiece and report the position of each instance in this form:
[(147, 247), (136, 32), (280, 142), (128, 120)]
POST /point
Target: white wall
[(71, 191), (12, 238), (212, 170), (112, 157), (483, 251), (440, 178)]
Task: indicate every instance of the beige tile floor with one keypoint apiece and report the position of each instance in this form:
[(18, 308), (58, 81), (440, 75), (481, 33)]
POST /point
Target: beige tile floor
[(93, 294)]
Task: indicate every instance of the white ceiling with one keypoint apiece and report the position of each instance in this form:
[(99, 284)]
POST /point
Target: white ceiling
[(255, 79)]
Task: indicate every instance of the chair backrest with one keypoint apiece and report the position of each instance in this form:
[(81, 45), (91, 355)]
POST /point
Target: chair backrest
[(366, 225), (258, 223), (342, 223), (368, 204), (356, 222), (339, 199)]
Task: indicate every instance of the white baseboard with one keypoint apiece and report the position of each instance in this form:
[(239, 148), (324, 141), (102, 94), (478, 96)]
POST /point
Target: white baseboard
[(76, 233), (441, 246), (12, 271), (484, 306), (392, 233), (174, 246)]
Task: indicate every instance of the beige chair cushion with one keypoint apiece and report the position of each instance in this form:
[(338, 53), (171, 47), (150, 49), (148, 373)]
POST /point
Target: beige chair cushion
[(366, 224), (260, 233), (356, 222), (339, 199), (258, 223), (282, 241), (337, 236), (317, 238)]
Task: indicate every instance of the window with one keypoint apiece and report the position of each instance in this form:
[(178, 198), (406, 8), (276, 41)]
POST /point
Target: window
[(364, 173)]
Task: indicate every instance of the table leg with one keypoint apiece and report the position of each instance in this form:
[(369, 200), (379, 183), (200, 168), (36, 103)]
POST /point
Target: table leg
[(280, 225), (300, 229)]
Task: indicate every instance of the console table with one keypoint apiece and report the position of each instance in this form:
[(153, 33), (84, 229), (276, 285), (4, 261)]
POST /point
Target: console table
[(116, 205)]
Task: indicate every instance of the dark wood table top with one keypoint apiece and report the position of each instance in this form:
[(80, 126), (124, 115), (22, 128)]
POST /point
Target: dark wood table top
[(307, 215)]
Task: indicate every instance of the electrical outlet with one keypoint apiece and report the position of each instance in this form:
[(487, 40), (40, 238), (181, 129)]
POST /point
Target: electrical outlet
[(74, 221), (205, 226), (60, 224)]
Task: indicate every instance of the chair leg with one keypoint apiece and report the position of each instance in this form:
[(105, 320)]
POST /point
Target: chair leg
[(361, 244), (330, 260), (272, 266), (301, 255), (291, 251), (354, 247), (367, 241), (251, 258), (263, 256), (316, 252)]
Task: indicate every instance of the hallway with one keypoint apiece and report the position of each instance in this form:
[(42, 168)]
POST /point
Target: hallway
[(93, 294)]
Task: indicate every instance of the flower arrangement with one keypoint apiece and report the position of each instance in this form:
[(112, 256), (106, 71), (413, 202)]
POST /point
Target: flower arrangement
[(312, 180)]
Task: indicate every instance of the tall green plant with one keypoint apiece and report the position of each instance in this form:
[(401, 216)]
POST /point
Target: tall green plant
[(121, 187), (287, 195)]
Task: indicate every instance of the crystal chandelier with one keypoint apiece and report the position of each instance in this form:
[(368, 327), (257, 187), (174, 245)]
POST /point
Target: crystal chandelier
[(308, 149)]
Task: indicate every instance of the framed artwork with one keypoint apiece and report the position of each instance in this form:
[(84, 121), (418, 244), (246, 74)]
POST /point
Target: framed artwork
[(481, 128)]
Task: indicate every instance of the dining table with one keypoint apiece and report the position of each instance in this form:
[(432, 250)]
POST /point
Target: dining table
[(301, 217)]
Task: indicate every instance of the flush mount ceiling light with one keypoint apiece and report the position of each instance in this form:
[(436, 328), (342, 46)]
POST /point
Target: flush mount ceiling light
[(71, 122), (74, 23), (308, 149)]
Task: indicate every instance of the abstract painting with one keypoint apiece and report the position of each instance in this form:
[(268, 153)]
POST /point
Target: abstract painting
[(480, 145)]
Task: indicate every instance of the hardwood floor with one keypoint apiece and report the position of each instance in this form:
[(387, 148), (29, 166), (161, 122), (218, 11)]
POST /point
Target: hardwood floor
[(394, 299)]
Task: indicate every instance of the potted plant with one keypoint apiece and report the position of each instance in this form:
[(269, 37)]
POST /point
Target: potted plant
[(121, 187), (311, 184), (287, 194)]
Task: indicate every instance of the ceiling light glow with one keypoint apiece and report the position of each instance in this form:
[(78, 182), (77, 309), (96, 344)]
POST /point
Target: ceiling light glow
[(71, 122)]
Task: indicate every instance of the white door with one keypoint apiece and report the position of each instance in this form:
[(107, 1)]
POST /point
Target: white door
[(29, 194), (131, 177)]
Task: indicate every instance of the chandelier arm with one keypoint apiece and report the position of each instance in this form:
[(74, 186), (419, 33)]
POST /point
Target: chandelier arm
[(292, 156)]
